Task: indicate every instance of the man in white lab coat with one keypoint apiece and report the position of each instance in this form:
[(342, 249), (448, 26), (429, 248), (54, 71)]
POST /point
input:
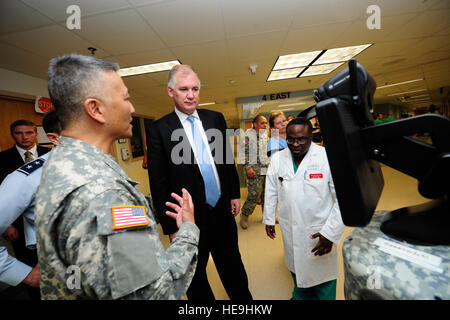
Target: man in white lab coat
[(299, 181)]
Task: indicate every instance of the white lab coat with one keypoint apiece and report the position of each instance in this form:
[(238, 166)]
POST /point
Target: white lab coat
[(306, 204)]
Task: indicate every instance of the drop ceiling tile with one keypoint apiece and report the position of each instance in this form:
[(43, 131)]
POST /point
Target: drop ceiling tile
[(161, 78), (386, 49), (359, 33), (367, 62), (16, 16), (185, 22), (313, 38), (242, 68), (430, 57), (147, 2), (423, 25), (41, 42), (405, 75), (220, 38), (57, 10), (312, 12), (215, 50), (435, 67), (214, 53), (256, 16), (427, 45), (398, 7), (442, 4), (107, 32), (445, 31), (213, 75), (251, 48)]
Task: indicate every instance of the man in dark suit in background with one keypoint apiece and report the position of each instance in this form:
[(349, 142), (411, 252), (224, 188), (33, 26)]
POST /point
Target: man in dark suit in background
[(25, 149), (211, 180)]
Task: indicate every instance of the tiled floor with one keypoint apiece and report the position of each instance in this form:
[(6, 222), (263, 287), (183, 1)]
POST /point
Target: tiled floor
[(269, 279)]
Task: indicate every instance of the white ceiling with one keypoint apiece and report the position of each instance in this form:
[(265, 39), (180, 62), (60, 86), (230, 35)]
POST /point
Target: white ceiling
[(221, 38)]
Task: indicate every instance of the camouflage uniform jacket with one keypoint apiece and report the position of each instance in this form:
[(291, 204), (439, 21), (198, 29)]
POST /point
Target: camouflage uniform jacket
[(74, 226), (256, 151)]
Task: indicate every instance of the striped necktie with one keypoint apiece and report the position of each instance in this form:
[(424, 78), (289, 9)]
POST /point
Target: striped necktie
[(206, 167), (28, 156)]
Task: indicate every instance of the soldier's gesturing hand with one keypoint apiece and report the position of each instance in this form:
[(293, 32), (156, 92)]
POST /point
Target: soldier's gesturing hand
[(184, 212)]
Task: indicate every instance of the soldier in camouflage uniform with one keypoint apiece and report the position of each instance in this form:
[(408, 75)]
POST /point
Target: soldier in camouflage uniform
[(256, 162), (85, 250)]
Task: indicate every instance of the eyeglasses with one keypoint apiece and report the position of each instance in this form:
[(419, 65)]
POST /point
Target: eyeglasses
[(301, 140)]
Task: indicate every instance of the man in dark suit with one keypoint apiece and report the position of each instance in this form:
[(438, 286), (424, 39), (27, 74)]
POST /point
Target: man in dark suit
[(25, 149), (180, 155)]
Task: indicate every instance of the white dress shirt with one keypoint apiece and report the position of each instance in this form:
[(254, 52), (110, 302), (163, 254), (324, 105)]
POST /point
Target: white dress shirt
[(188, 129), (32, 150)]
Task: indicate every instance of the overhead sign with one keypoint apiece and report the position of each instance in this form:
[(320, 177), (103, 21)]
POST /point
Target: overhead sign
[(43, 105), (275, 96)]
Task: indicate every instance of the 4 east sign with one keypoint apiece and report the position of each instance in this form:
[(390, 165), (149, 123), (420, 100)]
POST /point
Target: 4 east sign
[(276, 96)]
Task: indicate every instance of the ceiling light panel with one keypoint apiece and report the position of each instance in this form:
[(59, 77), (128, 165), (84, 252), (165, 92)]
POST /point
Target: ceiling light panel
[(420, 96), (400, 83), (295, 60), (322, 69), (340, 54), (285, 74), (291, 104), (315, 62), (149, 68), (406, 92), (419, 99)]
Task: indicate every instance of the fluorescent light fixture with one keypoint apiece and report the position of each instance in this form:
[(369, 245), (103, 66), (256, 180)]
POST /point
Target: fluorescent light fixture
[(420, 96), (419, 99), (291, 104), (340, 54), (295, 60), (285, 109), (322, 69), (315, 62), (148, 68), (207, 103), (284, 74), (406, 92), (399, 83)]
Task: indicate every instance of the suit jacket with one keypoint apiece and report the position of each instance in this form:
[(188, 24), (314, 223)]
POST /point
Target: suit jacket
[(10, 160), (166, 176)]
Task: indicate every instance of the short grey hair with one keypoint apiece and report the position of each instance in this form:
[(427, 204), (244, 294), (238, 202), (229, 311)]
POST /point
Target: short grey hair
[(185, 69), (71, 80)]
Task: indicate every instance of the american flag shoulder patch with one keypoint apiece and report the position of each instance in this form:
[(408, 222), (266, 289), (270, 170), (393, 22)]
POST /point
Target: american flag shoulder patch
[(129, 216)]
